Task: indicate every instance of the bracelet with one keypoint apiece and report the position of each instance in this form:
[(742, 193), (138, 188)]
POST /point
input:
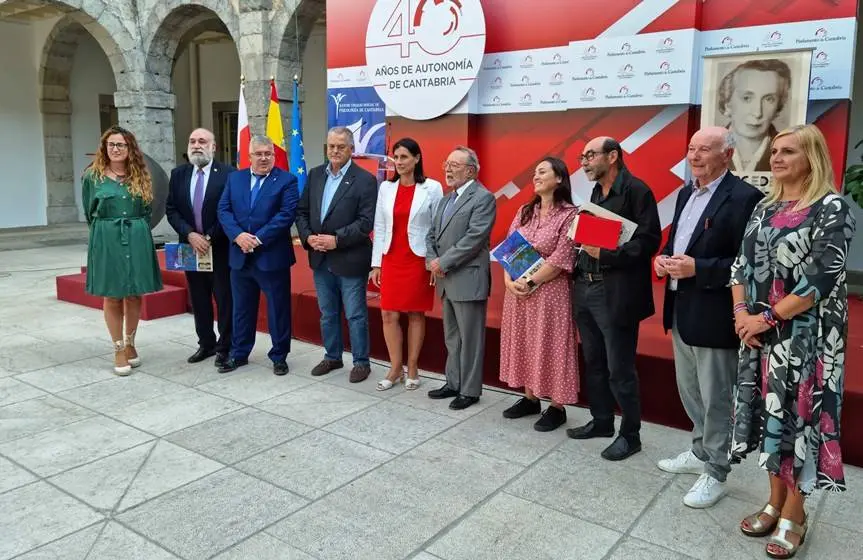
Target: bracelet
[(770, 318), (738, 307)]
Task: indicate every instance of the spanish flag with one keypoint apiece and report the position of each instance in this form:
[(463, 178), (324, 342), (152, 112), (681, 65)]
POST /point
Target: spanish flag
[(275, 132)]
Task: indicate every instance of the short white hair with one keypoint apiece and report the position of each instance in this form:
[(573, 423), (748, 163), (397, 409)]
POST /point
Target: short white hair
[(728, 141), (261, 140), (472, 159), (343, 131)]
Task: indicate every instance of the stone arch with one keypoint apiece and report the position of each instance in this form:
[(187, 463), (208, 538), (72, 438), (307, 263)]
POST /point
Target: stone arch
[(55, 75), (293, 30), (175, 23)]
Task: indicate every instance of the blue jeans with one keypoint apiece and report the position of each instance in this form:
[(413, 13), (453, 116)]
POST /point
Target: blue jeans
[(349, 293)]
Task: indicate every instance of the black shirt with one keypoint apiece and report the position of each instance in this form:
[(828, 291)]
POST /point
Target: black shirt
[(584, 263)]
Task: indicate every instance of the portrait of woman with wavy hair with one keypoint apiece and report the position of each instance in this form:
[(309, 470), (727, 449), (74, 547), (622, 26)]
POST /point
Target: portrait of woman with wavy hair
[(121, 258)]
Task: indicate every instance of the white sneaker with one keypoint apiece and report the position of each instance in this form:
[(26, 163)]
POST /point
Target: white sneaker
[(705, 492), (685, 463)]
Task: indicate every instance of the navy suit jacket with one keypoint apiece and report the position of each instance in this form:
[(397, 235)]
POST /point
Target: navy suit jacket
[(702, 304), (180, 213), (270, 219), (350, 217)]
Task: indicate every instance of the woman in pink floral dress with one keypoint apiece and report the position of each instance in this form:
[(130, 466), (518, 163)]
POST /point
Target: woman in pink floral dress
[(537, 348)]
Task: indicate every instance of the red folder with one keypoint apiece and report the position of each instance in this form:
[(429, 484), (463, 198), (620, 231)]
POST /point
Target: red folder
[(598, 232)]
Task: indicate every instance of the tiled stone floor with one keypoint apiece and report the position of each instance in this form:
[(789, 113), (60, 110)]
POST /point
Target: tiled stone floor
[(177, 461)]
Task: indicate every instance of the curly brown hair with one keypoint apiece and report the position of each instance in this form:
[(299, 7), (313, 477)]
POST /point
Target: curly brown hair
[(138, 179)]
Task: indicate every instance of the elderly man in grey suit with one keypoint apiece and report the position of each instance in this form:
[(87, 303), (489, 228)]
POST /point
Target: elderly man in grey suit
[(457, 255)]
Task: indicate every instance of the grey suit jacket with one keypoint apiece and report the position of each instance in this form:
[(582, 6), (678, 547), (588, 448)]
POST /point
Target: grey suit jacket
[(462, 245)]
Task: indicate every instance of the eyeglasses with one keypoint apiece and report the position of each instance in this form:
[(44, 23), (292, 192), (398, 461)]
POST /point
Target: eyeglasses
[(454, 165), (262, 155), (116, 145), (589, 156)]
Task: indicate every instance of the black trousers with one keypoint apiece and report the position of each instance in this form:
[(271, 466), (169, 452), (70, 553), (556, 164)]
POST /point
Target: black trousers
[(609, 356), (203, 287)]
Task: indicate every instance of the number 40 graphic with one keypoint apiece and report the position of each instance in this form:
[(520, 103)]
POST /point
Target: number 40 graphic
[(405, 20)]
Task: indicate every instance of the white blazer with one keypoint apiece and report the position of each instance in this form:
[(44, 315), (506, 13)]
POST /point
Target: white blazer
[(426, 198)]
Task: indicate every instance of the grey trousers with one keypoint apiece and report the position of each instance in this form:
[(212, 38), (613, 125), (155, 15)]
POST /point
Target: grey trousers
[(464, 334), (705, 380)]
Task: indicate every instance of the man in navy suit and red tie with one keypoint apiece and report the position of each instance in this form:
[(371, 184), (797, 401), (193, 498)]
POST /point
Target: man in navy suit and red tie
[(257, 211), (193, 200)]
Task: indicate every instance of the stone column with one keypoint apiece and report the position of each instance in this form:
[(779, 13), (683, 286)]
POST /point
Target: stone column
[(59, 168), (256, 62), (149, 115)]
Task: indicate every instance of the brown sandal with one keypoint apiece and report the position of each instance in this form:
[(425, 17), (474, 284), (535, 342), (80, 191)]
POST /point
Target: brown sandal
[(758, 527)]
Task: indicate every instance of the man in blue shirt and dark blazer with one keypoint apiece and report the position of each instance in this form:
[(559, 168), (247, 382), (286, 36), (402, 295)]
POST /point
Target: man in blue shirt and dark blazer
[(710, 220), (191, 209), (257, 211), (335, 218)]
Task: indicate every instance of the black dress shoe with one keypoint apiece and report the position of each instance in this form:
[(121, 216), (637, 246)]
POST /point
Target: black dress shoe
[(552, 419), (221, 358), (442, 393), (591, 430), (201, 355), (232, 364), (280, 368), (523, 407), (461, 402), (621, 449)]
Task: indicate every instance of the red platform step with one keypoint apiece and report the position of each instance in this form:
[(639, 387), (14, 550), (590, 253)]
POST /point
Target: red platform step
[(170, 300)]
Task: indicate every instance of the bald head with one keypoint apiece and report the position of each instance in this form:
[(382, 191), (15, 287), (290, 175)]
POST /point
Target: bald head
[(714, 134), (709, 154), (602, 159), (202, 147)]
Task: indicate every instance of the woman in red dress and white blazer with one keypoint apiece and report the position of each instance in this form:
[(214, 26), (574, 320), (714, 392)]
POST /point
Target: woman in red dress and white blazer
[(402, 219)]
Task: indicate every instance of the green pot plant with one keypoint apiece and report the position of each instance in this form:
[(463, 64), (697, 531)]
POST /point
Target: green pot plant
[(854, 180)]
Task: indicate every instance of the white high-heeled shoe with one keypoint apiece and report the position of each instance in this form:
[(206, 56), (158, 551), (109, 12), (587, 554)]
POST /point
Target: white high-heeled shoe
[(412, 384), (129, 339), (385, 384), (121, 370)]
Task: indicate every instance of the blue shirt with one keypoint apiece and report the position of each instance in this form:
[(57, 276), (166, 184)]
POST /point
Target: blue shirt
[(690, 216), (331, 186)]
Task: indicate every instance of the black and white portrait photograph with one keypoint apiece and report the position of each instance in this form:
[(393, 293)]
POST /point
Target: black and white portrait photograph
[(755, 96)]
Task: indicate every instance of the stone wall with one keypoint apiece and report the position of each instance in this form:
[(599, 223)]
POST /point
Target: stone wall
[(141, 39)]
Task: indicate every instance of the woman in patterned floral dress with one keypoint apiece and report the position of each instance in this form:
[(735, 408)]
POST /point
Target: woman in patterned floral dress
[(791, 313), (537, 336)]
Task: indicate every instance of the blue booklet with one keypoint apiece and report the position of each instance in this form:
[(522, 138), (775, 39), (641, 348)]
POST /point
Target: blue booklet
[(517, 256), (182, 256)]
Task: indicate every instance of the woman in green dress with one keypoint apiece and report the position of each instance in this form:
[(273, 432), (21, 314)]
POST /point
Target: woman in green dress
[(121, 258)]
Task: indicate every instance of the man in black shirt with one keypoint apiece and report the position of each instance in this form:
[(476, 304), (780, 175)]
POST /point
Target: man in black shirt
[(612, 294)]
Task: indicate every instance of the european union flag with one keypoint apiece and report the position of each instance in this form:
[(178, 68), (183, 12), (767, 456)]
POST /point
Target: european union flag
[(298, 158)]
